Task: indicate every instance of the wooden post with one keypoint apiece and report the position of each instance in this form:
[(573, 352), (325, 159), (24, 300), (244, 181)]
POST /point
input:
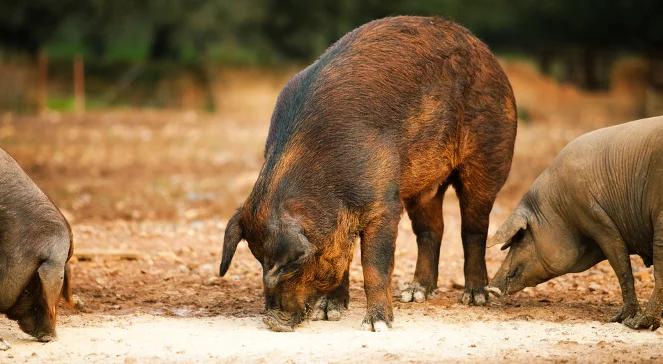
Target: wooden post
[(79, 85), (42, 82)]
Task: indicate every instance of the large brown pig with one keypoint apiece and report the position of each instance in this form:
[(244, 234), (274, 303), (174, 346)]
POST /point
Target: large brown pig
[(600, 199), (388, 117), (35, 247)]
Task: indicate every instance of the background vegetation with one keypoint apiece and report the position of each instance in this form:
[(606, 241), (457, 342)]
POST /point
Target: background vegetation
[(128, 46)]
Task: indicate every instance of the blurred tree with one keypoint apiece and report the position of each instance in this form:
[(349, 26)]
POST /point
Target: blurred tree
[(580, 34), (28, 25)]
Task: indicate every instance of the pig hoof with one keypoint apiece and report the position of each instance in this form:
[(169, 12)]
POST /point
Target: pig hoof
[(625, 313), (474, 296), (375, 323), (379, 326), (643, 321), (327, 309), (414, 292), (4, 346), (333, 314)]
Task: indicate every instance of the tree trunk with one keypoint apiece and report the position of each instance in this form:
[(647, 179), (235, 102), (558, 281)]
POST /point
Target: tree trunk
[(545, 61), (79, 85), (590, 77), (42, 82)]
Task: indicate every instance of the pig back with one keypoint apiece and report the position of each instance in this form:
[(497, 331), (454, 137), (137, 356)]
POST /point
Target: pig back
[(620, 169), (396, 86)]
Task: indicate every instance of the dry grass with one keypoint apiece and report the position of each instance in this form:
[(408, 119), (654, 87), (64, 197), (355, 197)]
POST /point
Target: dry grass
[(161, 183)]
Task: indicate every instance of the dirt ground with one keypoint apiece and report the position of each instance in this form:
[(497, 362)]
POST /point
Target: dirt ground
[(148, 194)]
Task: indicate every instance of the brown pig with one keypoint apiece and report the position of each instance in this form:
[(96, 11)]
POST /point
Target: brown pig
[(388, 117), (600, 199), (35, 247)]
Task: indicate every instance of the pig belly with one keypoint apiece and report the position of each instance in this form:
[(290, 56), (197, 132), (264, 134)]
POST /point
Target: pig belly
[(423, 173)]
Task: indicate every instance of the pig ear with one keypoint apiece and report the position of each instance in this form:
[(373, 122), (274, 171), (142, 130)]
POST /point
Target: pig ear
[(52, 279), (299, 248), (504, 235), (309, 249), (232, 237), (66, 285)]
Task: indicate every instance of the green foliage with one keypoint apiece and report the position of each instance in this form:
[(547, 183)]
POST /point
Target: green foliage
[(272, 31)]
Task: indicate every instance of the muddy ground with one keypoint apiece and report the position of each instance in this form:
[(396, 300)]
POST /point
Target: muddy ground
[(148, 194)]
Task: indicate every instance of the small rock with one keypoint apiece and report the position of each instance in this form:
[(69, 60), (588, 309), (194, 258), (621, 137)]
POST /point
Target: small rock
[(593, 287), (4, 346), (78, 302), (206, 270)]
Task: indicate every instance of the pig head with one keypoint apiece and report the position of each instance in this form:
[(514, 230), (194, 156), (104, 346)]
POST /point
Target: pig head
[(35, 248), (36, 275), (301, 260), (541, 245)]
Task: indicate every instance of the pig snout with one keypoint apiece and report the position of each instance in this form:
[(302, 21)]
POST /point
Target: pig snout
[(501, 285), (42, 332), (282, 317), (45, 338), (282, 321), (287, 306), (508, 280), (497, 286), (495, 291)]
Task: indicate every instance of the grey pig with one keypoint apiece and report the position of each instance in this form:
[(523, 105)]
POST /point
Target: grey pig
[(35, 247), (602, 198)]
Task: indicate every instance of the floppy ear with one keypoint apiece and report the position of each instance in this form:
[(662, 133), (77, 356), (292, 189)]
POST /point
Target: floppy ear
[(231, 238), (306, 247), (66, 285), (297, 251), (52, 279), (504, 235)]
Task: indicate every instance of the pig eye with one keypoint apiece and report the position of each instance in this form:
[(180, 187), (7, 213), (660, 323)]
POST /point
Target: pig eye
[(513, 273), (290, 267)]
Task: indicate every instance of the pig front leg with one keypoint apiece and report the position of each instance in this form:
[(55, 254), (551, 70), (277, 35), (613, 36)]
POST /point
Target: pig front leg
[(330, 306), (4, 346), (650, 317), (614, 248), (378, 241), (617, 253)]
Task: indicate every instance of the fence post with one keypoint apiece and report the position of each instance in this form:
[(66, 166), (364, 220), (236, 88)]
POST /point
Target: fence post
[(79, 84), (42, 82)]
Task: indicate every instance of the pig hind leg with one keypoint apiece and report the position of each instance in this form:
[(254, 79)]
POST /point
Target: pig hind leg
[(476, 187), (428, 226), (650, 317)]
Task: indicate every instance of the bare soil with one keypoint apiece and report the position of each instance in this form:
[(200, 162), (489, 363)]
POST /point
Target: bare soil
[(148, 194)]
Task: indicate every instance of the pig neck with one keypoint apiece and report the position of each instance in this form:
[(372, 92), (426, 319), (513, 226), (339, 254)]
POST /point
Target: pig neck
[(559, 247)]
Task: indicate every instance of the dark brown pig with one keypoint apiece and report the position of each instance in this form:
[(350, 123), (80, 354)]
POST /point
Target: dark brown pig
[(602, 198), (388, 117), (35, 247)]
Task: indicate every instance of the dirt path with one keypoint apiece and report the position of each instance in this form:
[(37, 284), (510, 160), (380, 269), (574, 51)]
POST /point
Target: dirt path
[(160, 186), (415, 337)]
